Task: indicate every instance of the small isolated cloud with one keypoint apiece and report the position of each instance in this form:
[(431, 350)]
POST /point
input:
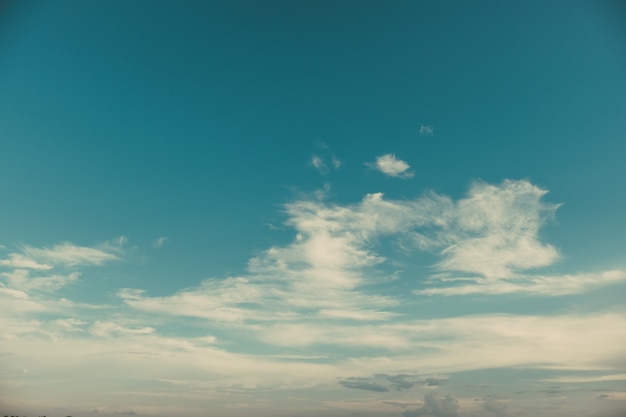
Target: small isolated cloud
[(435, 406), (318, 163), (120, 241), (325, 160), (159, 242), (389, 165), (427, 130)]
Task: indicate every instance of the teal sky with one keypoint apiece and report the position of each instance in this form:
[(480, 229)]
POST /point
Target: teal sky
[(313, 208)]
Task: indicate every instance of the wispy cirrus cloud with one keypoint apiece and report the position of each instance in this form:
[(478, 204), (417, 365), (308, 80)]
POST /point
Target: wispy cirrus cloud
[(108, 328), (20, 261), (69, 254), (584, 378), (391, 166), (159, 242), (31, 278), (555, 285)]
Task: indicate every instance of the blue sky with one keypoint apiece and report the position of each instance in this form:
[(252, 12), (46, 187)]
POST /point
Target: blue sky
[(329, 208)]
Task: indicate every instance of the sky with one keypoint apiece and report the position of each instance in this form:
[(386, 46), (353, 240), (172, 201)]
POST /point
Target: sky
[(313, 208)]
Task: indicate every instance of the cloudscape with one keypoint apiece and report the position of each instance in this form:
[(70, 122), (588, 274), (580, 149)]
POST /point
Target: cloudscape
[(312, 208)]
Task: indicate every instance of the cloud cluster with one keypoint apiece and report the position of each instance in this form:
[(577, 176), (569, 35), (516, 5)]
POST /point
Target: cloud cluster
[(325, 160), (31, 277), (488, 241), (49, 269)]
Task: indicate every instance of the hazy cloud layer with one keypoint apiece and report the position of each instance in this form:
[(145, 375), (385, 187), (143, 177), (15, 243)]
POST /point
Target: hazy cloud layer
[(381, 382), (314, 305)]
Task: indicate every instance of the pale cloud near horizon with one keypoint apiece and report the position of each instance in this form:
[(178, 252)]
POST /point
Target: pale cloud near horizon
[(575, 379), (436, 406), (315, 295), (555, 285), (391, 166)]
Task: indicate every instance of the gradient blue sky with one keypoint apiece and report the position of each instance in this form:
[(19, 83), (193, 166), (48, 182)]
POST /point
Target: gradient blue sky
[(313, 208)]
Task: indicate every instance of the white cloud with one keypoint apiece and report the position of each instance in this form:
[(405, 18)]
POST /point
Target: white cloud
[(200, 371), (13, 293), (318, 163), (586, 378), (305, 298), (71, 255), (389, 165), (494, 230), (533, 284), (107, 329), (18, 260), (71, 324), (325, 161), (159, 242), (488, 238), (324, 164), (427, 130), (22, 280)]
